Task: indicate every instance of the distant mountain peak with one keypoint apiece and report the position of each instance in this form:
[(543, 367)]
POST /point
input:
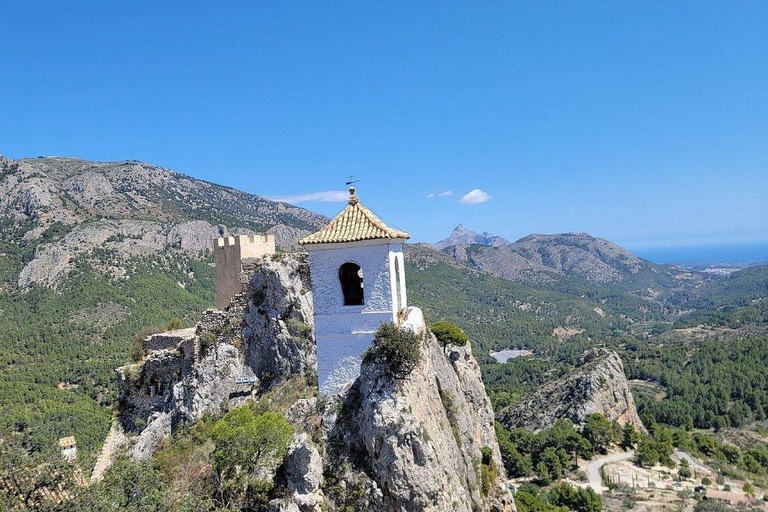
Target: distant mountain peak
[(463, 236)]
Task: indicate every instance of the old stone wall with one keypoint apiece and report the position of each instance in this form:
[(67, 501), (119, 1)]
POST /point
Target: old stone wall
[(229, 253)]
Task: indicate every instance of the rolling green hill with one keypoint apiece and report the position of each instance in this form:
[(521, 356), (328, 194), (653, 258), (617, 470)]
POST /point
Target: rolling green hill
[(741, 299)]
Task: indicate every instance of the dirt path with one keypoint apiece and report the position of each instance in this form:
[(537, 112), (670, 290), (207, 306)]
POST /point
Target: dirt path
[(699, 467)]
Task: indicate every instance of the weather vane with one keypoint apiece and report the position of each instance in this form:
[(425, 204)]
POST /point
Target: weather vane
[(350, 180)]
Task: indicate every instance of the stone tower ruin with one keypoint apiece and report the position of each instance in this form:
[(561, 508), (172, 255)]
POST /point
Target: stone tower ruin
[(229, 253)]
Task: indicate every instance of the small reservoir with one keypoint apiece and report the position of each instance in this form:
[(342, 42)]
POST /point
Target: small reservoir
[(504, 355)]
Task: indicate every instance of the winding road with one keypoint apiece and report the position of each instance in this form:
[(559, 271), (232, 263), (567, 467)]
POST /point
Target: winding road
[(593, 469), (596, 481)]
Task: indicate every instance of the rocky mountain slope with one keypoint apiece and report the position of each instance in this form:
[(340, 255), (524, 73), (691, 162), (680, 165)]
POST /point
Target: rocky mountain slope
[(401, 444), (578, 260), (128, 209), (499, 313), (597, 385), (464, 236), (265, 336)]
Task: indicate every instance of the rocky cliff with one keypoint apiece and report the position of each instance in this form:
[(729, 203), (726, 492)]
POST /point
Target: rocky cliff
[(597, 385), (418, 443), (425, 442), (263, 338)]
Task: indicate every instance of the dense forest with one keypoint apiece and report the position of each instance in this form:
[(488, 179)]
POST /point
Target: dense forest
[(497, 313), (710, 384), (59, 348)]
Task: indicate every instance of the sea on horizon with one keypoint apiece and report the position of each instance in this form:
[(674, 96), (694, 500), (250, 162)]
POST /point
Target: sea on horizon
[(738, 254)]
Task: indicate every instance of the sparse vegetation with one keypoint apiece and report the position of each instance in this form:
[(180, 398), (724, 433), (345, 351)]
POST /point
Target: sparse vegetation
[(399, 349), (449, 405), (488, 471), (448, 334), (299, 329)]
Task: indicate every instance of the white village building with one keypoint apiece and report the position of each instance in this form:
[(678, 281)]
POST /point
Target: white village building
[(358, 280), (68, 447)]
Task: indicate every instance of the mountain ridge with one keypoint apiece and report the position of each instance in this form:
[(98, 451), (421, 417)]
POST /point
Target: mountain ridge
[(544, 260), (462, 235), (130, 209)]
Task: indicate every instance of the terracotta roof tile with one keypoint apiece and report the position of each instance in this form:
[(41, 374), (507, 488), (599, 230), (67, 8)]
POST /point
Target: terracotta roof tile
[(67, 441), (353, 224)]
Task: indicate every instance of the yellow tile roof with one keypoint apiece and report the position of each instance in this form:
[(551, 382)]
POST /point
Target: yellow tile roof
[(353, 224), (67, 441)]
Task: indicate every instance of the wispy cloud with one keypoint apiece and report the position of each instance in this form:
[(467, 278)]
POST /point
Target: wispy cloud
[(475, 196), (433, 195), (329, 196)]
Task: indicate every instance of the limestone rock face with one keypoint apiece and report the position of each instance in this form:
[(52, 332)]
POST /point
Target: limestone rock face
[(303, 466), (74, 205), (278, 323), (415, 444), (418, 443), (598, 385), (304, 475), (262, 336)]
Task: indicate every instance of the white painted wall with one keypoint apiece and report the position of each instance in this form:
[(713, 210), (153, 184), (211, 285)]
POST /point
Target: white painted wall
[(342, 332)]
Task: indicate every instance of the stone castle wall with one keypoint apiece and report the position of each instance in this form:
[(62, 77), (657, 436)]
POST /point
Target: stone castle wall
[(229, 253)]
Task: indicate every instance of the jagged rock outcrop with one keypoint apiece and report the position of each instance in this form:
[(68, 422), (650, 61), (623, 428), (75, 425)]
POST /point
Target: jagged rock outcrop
[(303, 468), (264, 336), (426, 442), (464, 236), (279, 320), (597, 385), (416, 443)]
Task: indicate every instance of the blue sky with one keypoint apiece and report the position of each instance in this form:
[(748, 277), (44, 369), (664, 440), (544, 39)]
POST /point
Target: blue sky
[(642, 122)]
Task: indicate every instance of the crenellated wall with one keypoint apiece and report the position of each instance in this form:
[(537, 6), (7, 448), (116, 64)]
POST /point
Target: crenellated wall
[(229, 253)]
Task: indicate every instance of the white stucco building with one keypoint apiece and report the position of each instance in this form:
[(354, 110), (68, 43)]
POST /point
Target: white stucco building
[(358, 280), (68, 447)]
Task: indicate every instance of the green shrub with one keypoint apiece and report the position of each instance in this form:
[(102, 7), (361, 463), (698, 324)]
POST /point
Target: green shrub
[(137, 350), (299, 329), (488, 471), (448, 334), (127, 485), (246, 446), (598, 431), (174, 323), (207, 342), (399, 349), (575, 498)]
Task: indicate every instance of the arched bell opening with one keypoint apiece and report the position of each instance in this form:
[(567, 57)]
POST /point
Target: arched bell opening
[(351, 278)]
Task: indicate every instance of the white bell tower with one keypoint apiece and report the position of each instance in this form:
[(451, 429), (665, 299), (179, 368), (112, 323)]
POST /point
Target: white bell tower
[(358, 280)]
